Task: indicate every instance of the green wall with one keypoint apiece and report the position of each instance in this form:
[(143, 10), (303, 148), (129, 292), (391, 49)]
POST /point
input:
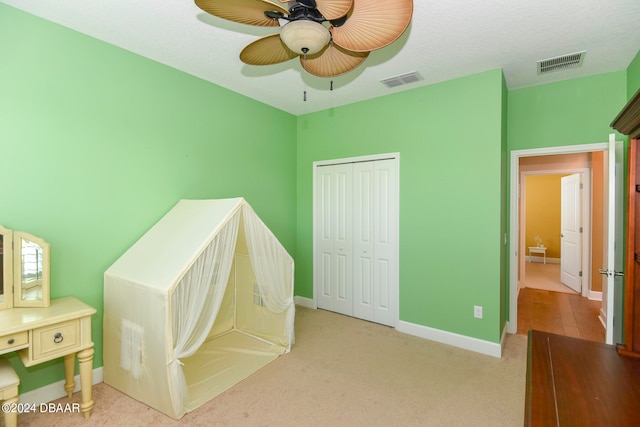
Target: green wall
[(98, 143), (450, 140), (633, 76), (570, 112)]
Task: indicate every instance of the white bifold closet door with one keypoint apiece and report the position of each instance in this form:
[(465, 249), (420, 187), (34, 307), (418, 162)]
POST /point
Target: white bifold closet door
[(356, 239)]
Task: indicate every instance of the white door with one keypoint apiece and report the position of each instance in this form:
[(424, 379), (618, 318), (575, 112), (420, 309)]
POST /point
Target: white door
[(570, 232), (333, 238), (356, 235), (615, 242), (363, 272), (375, 235)]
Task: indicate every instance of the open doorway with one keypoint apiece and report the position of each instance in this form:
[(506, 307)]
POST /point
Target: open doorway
[(562, 215), (551, 306), (559, 239)]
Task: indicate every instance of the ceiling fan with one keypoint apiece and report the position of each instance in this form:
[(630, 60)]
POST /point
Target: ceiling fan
[(331, 37)]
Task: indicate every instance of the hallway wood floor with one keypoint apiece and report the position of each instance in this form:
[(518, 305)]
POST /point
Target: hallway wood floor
[(559, 313)]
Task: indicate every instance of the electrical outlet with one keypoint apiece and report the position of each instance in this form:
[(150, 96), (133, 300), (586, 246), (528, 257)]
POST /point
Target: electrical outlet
[(477, 311)]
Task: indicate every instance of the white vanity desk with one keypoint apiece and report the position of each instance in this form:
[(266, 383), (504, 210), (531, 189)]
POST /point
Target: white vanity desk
[(60, 330)]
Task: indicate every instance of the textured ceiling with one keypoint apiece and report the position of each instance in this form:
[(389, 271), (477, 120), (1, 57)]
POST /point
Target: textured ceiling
[(447, 39)]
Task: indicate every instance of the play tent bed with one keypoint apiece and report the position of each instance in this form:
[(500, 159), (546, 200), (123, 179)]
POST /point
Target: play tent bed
[(200, 302)]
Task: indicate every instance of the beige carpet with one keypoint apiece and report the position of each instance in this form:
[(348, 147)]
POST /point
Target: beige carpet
[(546, 277), (345, 372)]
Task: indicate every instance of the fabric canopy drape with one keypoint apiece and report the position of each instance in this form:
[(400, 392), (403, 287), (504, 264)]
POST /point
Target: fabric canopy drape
[(273, 268), (196, 300)]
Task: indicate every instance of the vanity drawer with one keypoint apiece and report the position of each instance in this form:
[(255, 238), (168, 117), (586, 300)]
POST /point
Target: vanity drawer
[(14, 341), (56, 340)]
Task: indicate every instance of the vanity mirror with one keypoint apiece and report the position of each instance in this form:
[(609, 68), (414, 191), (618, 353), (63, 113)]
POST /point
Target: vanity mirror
[(24, 270)]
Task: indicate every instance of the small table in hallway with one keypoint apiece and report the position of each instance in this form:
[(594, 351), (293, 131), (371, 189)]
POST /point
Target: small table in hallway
[(538, 250)]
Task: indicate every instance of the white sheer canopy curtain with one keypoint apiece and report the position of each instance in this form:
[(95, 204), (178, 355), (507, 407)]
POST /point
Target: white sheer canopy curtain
[(273, 268), (195, 303)]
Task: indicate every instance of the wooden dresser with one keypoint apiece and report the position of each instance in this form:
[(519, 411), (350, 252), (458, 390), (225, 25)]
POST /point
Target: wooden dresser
[(574, 382)]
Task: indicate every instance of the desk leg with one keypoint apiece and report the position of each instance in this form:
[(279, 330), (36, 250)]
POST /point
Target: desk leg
[(69, 365), (85, 362), (11, 417)]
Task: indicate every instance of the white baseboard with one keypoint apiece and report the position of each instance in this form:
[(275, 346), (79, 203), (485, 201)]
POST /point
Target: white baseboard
[(530, 258), (595, 295), (304, 302), (603, 318), (449, 338), (55, 390)]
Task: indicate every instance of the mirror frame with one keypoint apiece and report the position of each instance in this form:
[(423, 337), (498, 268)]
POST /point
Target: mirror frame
[(18, 237), (12, 269)]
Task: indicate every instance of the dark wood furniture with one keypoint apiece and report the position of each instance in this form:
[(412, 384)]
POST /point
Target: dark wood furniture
[(628, 123), (574, 382)]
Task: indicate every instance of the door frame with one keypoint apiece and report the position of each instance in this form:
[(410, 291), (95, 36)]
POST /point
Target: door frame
[(585, 178), (396, 226), (514, 226)]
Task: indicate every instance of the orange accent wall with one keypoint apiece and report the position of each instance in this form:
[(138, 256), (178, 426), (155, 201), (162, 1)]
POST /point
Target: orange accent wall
[(543, 212)]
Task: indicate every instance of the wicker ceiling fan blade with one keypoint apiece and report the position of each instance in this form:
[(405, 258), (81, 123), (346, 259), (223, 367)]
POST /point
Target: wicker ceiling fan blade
[(373, 24), (334, 9), (266, 51), (332, 61), (249, 12)]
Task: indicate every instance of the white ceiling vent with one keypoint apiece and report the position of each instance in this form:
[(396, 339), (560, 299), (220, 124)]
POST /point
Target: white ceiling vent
[(559, 63), (402, 79)]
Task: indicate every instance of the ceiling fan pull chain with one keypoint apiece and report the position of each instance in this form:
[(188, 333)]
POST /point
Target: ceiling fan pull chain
[(331, 84), (304, 60)]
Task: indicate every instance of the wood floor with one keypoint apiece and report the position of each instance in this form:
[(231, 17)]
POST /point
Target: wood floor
[(559, 313), (574, 382)]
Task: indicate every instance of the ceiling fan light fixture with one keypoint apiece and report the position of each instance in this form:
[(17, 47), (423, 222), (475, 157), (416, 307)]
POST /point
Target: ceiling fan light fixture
[(305, 37)]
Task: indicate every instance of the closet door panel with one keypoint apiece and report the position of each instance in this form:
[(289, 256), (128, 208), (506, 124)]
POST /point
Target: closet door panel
[(325, 299), (384, 237), (343, 248), (363, 277), (333, 238), (324, 238), (382, 283)]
